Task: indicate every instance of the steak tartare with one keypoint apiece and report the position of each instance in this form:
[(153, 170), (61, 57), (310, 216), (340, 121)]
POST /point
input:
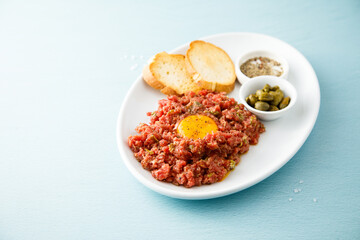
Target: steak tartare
[(180, 160)]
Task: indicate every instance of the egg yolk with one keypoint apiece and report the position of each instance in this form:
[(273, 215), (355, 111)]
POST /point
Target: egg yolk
[(196, 126)]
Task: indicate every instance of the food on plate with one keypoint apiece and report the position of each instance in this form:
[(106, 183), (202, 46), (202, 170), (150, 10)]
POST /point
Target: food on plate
[(205, 66), (167, 73), (195, 139), (268, 99), (210, 66), (259, 66)]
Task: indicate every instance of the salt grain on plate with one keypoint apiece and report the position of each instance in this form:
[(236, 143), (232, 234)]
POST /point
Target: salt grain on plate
[(296, 190), (133, 67), (314, 200), (301, 181), (290, 199)]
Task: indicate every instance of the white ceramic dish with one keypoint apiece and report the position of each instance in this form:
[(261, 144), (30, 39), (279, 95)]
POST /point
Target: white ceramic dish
[(256, 83), (242, 78), (282, 139)]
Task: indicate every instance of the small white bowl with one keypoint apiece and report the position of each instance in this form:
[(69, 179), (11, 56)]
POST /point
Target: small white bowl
[(256, 83), (259, 53)]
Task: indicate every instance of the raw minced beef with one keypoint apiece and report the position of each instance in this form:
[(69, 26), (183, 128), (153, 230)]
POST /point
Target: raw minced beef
[(194, 162)]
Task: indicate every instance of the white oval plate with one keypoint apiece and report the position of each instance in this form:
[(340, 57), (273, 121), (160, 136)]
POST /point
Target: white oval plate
[(282, 139)]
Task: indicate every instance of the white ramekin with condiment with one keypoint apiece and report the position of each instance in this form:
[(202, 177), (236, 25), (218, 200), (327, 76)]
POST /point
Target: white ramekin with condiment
[(251, 87), (259, 63)]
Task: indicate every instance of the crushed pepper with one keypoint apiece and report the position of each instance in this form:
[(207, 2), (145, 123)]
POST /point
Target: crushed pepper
[(259, 66)]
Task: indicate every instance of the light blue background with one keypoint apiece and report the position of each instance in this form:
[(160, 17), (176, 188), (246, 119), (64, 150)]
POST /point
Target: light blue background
[(64, 75)]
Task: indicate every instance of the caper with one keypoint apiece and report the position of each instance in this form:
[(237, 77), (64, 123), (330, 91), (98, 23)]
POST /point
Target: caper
[(277, 97), (262, 106), (274, 88), (273, 108), (265, 96), (284, 103), (281, 92), (252, 99), (266, 88), (258, 92)]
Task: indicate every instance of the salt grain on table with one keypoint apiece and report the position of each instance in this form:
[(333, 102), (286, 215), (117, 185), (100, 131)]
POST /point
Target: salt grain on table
[(133, 67)]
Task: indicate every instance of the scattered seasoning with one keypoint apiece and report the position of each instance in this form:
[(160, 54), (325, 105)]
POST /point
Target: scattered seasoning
[(301, 181), (297, 190), (149, 151), (215, 113), (314, 200), (259, 66), (171, 147), (290, 199), (154, 138), (232, 164)]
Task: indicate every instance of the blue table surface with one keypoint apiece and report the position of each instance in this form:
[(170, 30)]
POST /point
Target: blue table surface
[(65, 68)]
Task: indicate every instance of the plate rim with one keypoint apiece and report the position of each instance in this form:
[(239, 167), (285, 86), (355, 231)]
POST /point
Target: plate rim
[(219, 193)]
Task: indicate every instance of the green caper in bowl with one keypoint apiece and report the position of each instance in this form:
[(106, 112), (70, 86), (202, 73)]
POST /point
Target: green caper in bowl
[(273, 92), (269, 98)]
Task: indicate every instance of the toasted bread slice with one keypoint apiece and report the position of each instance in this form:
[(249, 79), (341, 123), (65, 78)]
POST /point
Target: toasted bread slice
[(210, 66), (167, 72)]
